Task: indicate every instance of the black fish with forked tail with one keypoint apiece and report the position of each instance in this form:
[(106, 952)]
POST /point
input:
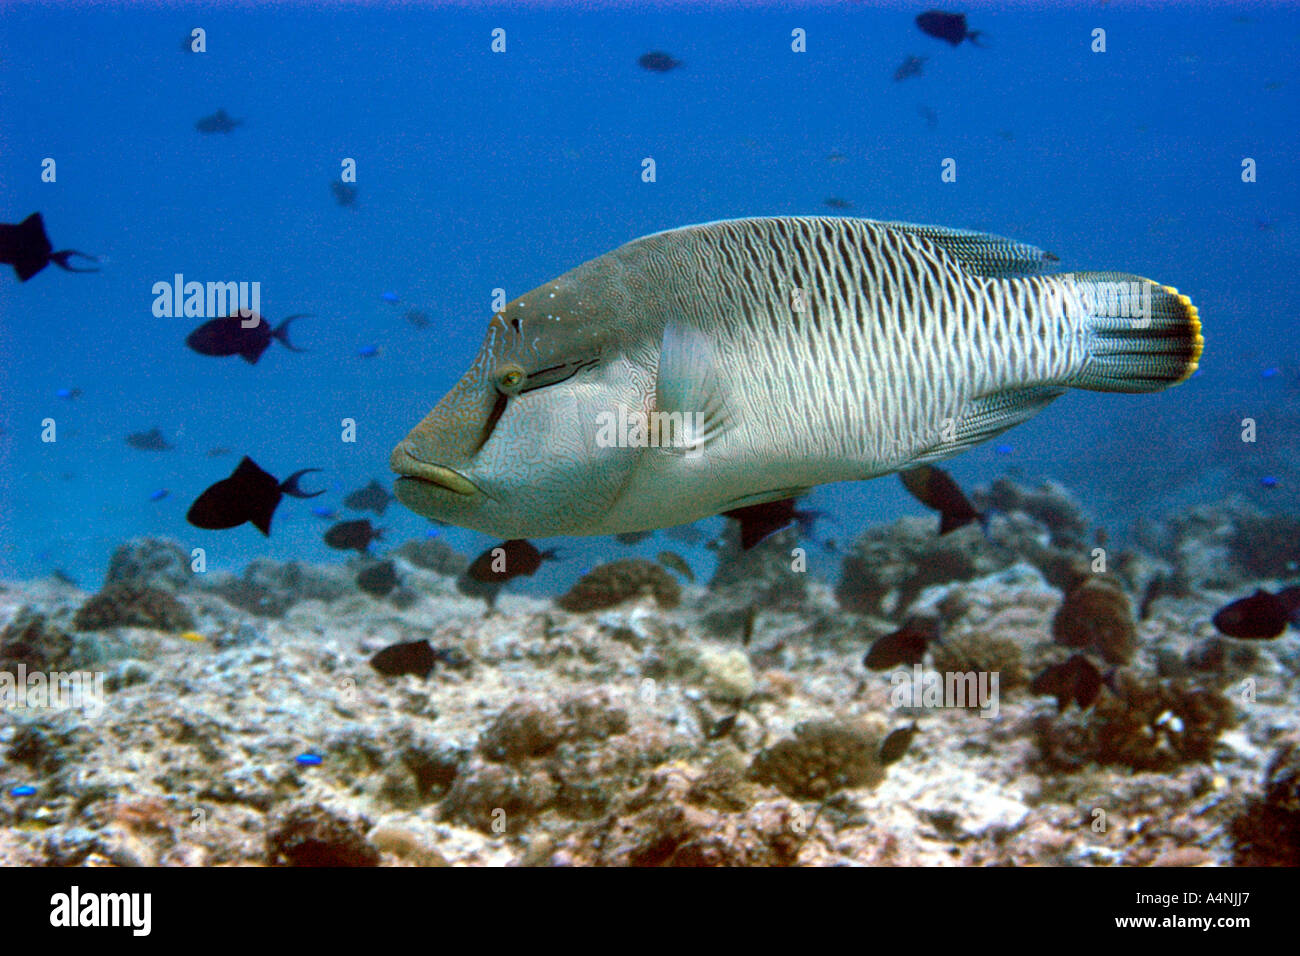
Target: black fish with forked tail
[(27, 248), (236, 335), (249, 494)]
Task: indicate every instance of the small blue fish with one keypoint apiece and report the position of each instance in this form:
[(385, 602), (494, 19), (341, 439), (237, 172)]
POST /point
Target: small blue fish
[(68, 393), (1271, 372), (390, 297), (1268, 481), (368, 351), (320, 511), (433, 532), (1004, 449), (159, 495), (23, 790), (309, 759)]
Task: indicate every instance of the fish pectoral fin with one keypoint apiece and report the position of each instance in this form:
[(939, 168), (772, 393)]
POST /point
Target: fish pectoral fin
[(988, 416), (982, 253), (688, 392)]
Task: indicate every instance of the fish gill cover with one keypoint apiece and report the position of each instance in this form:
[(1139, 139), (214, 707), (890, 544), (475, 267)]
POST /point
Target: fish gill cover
[(819, 434)]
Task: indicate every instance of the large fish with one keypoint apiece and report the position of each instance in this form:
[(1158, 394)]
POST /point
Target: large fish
[(768, 356)]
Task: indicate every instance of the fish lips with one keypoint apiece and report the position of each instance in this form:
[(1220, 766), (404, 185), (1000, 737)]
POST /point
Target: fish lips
[(422, 486)]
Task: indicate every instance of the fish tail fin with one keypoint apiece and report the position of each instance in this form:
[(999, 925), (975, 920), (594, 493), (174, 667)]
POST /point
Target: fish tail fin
[(1142, 336), (290, 485), (977, 37), (282, 331)]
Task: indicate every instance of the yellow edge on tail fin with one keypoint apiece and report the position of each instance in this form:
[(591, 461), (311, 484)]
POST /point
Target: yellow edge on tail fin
[(1193, 319)]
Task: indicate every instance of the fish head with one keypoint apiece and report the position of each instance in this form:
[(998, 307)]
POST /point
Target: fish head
[(512, 450)]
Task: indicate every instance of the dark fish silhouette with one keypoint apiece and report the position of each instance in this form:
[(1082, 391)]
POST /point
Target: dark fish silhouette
[(837, 202), (1260, 617), (759, 521), (379, 579), (656, 61), (373, 497), (912, 66), (930, 116), (1077, 680), (947, 26), (632, 537), (418, 318), (152, 440), (411, 657), (934, 488), (218, 452), (249, 494), (896, 743), (905, 646), (28, 249), (229, 336), (345, 194), (353, 535), (218, 122), (518, 558)]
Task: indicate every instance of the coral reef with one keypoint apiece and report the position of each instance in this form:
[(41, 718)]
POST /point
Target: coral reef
[(822, 757), (1096, 617), (154, 562), (1267, 833), (1142, 722), (313, 835), (624, 580), (763, 576), (269, 589), (982, 651), (31, 640), (433, 555), (133, 605), (1266, 546)]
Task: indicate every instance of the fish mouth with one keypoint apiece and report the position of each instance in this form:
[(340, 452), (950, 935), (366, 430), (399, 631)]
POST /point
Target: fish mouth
[(412, 471)]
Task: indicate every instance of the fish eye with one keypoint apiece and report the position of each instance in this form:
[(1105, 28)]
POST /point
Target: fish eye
[(510, 378)]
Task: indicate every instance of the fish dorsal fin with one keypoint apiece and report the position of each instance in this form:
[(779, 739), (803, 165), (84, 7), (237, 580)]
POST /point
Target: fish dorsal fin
[(688, 391), (982, 253)]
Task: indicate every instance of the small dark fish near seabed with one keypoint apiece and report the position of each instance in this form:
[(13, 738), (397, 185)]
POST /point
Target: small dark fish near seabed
[(373, 497), (379, 579), (1260, 617), (490, 571), (218, 122), (411, 657), (232, 335), (28, 249), (353, 536), (895, 745), (1077, 680), (657, 61), (903, 647), (511, 559), (249, 494), (152, 440), (948, 26)]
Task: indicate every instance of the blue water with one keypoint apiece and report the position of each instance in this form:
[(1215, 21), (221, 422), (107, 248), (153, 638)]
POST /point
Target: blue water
[(479, 170)]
